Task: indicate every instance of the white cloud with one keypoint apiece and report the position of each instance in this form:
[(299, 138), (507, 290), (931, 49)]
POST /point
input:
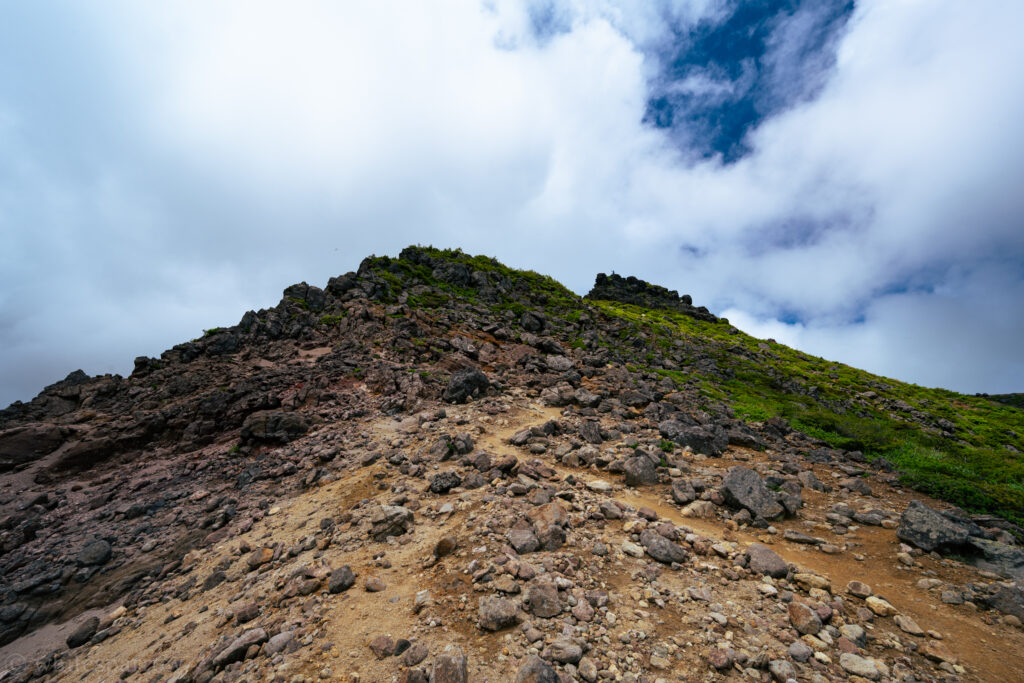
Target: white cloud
[(243, 147)]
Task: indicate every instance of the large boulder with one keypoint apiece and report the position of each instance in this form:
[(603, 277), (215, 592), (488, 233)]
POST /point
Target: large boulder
[(640, 471), (465, 384), (743, 488), (925, 528), (707, 439)]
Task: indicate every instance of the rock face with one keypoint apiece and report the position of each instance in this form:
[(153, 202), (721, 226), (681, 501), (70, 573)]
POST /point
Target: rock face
[(273, 427), (743, 488), (632, 290)]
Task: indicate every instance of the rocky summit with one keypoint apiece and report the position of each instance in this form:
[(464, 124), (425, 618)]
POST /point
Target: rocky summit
[(438, 468)]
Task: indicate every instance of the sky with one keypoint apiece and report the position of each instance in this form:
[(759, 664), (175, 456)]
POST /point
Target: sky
[(844, 177)]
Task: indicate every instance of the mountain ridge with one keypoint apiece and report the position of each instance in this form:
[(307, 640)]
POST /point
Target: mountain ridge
[(439, 385)]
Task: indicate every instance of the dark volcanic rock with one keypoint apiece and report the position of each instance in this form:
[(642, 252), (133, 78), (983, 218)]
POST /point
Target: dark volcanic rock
[(682, 492), (443, 482), (928, 530), (660, 548), (341, 579), (273, 427), (742, 487), (85, 631), (705, 439), (95, 552), (640, 471), (465, 384), (632, 290), (25, 444)]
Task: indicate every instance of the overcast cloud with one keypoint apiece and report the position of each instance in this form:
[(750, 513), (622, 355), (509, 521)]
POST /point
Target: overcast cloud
[(846, 178)]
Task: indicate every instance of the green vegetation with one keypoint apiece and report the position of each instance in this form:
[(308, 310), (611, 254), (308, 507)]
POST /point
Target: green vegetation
[(331, 320), (968, 450)]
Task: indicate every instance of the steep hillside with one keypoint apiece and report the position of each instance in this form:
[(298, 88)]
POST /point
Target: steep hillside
[(441, 468)]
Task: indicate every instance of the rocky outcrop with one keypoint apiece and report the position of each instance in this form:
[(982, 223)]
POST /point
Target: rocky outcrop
[(632, 290)]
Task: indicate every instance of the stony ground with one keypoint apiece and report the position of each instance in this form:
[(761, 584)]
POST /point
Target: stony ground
[(435, 578), (345, 489)]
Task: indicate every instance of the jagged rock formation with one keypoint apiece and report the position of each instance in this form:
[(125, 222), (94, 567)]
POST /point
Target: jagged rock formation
[(439, 468), (632, 290)]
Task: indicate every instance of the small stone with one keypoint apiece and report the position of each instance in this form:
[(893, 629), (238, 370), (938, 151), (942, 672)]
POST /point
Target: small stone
[(800, 651), (781, 670), (450, 666), (564, 651), (859, 589), (908, 625), (495, 613), (382, 646), (859, 666), (763, 560), (536, 670), (374, 584), (880, 606), (854, 633), (804, 619), (415, 654), (446, 546), (341, 579), (721, 657), (587, 670), (937, 652), (542, 600), (247, 612), (95, 552)]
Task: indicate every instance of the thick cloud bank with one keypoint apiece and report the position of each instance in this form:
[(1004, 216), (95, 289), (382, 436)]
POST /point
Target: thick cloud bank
[(842, 177)]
